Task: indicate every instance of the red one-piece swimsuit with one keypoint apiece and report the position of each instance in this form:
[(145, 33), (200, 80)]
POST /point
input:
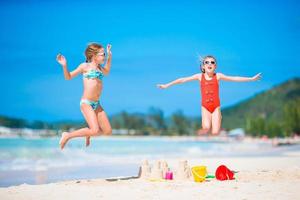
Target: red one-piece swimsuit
[(210, 93)]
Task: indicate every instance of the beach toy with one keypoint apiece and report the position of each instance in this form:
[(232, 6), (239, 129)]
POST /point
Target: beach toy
[(169, 175), (157, 180), (199, 173), (223, 173), (210, 176)]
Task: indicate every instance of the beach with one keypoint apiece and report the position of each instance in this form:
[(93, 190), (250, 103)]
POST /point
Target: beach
[(272, 174), (37, 169), (257, 178)]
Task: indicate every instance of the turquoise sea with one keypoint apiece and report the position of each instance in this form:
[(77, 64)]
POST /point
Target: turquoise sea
[(36, 161)]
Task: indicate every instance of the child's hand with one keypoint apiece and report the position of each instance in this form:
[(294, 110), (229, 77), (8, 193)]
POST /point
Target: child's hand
[(257, 77), (61, 60), (108, 49), (162, 86)]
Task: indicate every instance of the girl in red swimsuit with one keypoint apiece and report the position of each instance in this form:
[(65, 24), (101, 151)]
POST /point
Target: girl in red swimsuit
[(209, 83)]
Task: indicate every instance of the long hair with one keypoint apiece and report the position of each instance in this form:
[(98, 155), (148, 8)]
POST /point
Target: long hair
[(91, 50)]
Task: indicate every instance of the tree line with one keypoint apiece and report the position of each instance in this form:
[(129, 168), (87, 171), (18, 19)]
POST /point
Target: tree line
[(287, 125), (154, 122)]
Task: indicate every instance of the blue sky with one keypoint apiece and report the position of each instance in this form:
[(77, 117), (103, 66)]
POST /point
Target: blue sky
[(152, 43)]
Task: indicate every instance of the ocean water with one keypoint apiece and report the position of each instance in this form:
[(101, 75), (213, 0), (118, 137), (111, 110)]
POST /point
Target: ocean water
[(36, 161)]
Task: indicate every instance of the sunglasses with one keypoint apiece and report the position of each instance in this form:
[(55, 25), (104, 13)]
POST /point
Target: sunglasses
[(101, 54), (207, 62)]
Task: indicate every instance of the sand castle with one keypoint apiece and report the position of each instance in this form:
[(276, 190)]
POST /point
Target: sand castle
[(145, 170), (156, 171), (161, 170), (164, 167), (183, 171)]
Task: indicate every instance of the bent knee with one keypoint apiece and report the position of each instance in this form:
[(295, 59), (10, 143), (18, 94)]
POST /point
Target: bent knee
[(107, 131), (95, 131)]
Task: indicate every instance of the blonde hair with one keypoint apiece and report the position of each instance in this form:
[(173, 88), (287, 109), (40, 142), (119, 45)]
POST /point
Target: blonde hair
[(91, 50)]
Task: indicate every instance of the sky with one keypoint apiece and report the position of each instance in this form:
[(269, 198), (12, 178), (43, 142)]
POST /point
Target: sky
[(154, 42)]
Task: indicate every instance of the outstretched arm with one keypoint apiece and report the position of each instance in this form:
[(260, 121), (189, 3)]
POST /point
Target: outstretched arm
[(63, 62), (180, 80), (106, 68), (238, 78)]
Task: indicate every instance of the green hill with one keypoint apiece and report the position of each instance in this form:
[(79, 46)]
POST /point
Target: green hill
[(274, 107)]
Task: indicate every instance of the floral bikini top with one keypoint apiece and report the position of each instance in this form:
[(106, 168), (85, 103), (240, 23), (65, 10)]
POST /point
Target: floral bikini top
[(93, 73)]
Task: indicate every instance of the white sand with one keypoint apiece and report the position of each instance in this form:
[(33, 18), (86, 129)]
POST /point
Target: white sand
[(257, 178)]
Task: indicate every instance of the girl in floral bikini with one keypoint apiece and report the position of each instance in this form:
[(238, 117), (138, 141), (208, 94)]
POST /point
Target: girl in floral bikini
[(209, 82), (93, 73)]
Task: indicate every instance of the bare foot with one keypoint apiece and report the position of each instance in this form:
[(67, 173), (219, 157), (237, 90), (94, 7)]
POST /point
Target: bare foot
[(87, 141), (63, 140), (201, 132)]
